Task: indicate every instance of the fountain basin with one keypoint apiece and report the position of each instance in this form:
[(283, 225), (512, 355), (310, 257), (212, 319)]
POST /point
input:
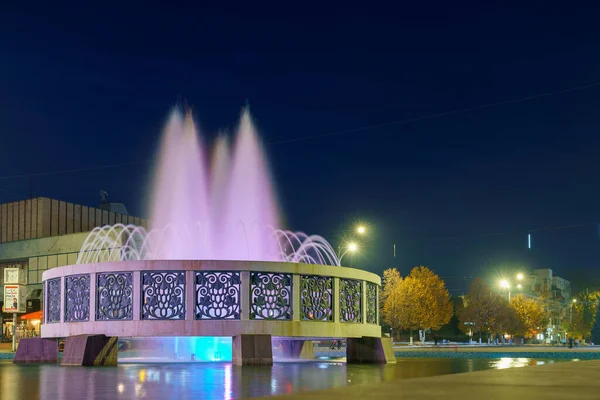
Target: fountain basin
[(210, 298)]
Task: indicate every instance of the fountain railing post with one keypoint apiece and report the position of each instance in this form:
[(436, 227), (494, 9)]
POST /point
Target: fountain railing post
[(245, 295), (335, 304), (296, 301), (190, 299), (137, 295), (363, 301), (93, 305)]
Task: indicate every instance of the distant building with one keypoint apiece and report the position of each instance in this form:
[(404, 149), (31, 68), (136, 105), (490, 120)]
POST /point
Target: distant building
[(42, 233)]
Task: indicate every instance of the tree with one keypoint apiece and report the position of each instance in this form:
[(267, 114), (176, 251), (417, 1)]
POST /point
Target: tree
[(595, 334), (531, 313), (391, 303), (475, 315), (504, 319), (583, 314), (425, 300)]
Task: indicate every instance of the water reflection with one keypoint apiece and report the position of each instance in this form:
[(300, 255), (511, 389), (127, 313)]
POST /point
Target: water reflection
[(220, 380)]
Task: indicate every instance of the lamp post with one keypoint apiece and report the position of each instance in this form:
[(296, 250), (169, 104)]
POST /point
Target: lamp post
[(360, 230), (351, 248), (505, 285)]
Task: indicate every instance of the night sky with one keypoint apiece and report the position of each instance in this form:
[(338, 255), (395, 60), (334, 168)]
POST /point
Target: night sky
[(89, 87)]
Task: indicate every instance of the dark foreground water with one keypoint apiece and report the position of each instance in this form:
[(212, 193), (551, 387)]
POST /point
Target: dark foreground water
[(219, 380)]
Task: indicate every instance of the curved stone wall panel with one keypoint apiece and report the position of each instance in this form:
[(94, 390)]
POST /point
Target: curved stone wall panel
[(217, 295), (350, 300), (317, 297), (52, 306), (114, 296), (163, 295), (270, 296), (210, 298), (77, 298)]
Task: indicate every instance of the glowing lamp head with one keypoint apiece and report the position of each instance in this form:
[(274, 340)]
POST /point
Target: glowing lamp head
[(574, 300), (361, 229), (519, 286), (520, 276), (504, 284), (352, 247)]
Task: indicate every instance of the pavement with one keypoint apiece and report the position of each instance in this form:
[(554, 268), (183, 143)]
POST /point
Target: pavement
[(568, 380), (497, 348)]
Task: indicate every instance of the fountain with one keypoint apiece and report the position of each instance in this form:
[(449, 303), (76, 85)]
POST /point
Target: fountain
[(216, 262)]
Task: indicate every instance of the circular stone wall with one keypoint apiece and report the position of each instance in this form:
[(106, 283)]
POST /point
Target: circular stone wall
[(210, 298)]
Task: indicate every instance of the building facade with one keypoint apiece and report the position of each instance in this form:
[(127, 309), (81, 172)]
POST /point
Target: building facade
[(42, 233)]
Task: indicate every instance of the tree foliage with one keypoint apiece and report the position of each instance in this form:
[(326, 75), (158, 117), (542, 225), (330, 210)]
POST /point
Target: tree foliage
[(391, 297), (583, 315), (532, 315), (426, 301), (477, 308), (486, 311)]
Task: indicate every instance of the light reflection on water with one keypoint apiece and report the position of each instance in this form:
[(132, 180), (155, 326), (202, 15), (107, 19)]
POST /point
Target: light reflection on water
[(220, 380)]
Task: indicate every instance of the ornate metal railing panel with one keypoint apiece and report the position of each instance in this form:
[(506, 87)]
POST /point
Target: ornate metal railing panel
[(217, 295), (372, 309), (114, 296), (270, 296), (350, 300), (77, 298), (163, 295), (316, 295), (52, 308)]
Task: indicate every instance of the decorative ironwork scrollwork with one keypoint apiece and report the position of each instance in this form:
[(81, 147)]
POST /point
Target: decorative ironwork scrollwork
[(114, 296), (371, 303), (316, 294), (163, 295), (270, 296), (52, 309), (217, 295), (77, 299), (350, 300)]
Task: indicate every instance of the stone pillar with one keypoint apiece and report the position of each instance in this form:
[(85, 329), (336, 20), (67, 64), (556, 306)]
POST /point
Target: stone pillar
[(336, 300), (296, 297), (369, 350), (245, 295), (90, 350), (36, 351), (252, 350), (303, 349)]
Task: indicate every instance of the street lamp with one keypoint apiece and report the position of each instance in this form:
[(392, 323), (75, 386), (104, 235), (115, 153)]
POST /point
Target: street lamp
[(520, 276), (350, 248), (361, 230), (505, 285)]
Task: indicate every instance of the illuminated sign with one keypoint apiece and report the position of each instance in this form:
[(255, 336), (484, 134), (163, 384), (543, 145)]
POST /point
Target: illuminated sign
[(15, 298)]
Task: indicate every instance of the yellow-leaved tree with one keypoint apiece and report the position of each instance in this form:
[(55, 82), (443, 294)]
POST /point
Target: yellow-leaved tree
[(391, 298), (425, 300), (531, 313)]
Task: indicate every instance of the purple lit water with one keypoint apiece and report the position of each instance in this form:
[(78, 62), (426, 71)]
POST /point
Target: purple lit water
[(225, 211), (216, 205)]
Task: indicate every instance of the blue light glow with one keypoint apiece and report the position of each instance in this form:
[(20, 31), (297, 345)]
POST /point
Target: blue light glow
[(177, 349)]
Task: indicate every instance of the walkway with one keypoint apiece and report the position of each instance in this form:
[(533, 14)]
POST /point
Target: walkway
[(571, 380)]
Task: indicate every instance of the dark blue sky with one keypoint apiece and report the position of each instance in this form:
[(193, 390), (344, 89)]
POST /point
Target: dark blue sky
[(82, 87)]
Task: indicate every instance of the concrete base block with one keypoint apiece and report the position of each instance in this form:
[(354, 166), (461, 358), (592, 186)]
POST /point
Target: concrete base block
[(36, 351), (252, 350), (303, 349), (90, 350), (369, 350), (388, 349)]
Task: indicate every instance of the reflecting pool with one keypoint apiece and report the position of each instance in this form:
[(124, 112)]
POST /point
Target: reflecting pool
[(220, 380)]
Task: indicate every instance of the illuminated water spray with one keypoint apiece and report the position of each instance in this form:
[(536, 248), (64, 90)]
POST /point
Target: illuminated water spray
[(221, 207)]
